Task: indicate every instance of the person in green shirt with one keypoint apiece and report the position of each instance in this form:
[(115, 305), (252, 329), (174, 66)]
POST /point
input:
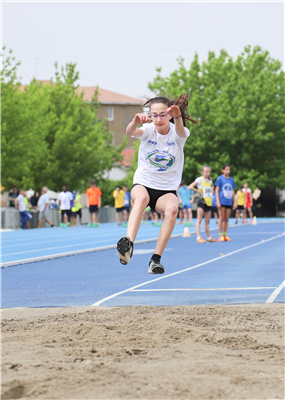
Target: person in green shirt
[(76, 209)]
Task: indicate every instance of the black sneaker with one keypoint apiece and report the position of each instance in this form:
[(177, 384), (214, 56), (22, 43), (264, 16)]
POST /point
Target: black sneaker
[(155, 268), (125, 250)]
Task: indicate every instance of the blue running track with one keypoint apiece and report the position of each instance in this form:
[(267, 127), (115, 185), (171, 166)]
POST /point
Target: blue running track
[(250, 269)]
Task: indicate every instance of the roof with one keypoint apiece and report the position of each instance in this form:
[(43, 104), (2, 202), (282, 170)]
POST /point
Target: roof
[(128, 155), (104, 96), (107, 97)]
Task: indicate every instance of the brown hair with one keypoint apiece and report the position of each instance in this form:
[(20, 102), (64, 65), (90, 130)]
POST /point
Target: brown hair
[(181, 102)]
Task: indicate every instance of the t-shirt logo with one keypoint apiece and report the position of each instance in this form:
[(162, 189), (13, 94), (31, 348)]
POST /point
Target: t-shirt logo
[(228, 191), (160, 159)]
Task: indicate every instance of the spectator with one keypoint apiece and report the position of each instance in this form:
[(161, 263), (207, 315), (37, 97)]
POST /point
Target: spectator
[(76, 209), (127, 205), (118, 195), (13, 195), (34, 200), (65, 198), (94, 203), (20, 204), (43, 205), (26, 201)]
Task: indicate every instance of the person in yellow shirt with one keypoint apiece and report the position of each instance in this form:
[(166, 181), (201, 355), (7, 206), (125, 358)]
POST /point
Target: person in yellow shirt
[(241, 204), (118, 195)]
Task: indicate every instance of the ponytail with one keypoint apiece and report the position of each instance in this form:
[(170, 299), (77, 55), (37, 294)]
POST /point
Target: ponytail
[(181, 102)]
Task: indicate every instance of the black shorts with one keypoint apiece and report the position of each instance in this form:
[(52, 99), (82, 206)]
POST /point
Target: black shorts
[(78, 212), (127, 209), (67, 212), (225, 206), (214, 209), (202, 204), (93, 209), (241, 208), (121, 209), (155, 194)]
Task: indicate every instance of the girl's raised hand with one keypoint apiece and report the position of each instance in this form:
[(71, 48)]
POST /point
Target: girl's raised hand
[(141, 119), (174, 111)]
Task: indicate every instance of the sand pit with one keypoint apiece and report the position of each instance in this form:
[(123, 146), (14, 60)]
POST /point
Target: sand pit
[(203, 352)]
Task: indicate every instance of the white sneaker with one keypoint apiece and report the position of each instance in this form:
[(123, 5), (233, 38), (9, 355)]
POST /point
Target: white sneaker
[(155, 268), (125, 250)]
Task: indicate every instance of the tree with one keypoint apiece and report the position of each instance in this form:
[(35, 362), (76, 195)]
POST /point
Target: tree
[(240, 108), (80, 146), (50, 136), (21, 133)]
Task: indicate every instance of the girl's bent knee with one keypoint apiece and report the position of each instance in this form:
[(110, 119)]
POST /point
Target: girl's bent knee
[(171, 212), (142, 201)]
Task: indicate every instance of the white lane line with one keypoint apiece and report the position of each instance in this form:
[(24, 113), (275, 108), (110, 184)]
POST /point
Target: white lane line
[(98, 303), (255, 233), (273, 295), (67, 245), (198, 290), (66, 254)]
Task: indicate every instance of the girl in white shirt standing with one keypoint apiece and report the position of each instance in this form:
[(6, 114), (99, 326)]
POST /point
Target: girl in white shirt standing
[(159, 172)]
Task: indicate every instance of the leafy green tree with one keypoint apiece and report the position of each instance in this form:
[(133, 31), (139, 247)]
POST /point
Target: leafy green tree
[(50, 136), (240, 108), (80, 145), (21, 131)]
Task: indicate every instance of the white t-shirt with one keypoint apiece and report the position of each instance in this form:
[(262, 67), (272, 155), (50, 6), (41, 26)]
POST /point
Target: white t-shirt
[(199, 182), (42, 202), (66, 198), (160, 158), (22, 205)]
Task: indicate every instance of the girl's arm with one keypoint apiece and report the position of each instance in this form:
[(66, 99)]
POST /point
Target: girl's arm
[(191, 187), (192, 198), (234, 200), (174, 111), (218, 197), (132, 128)]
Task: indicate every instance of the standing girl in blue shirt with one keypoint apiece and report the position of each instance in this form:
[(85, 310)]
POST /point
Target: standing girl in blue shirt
[(226, 200)]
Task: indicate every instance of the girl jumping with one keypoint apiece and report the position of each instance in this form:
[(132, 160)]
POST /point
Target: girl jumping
[(159, 172)]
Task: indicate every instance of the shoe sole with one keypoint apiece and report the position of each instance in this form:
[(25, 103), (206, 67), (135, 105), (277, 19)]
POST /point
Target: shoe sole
[(124, 247), (157, 270)]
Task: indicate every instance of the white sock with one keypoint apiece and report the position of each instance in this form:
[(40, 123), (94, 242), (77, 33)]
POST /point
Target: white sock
[(198, 237), (209, 238)]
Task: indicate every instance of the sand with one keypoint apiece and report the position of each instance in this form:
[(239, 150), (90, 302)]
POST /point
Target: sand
[(199, 352)]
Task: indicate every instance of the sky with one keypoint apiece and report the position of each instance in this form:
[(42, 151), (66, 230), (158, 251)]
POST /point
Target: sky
[(118, 45)]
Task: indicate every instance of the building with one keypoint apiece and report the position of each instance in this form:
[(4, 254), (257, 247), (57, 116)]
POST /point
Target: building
[(117, 109)]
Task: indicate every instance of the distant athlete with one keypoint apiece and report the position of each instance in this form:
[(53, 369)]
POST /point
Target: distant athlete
[(94, 203), (241, 204), (226, 200), (186, 196), (160, 166), (249, 201), (204, 205)]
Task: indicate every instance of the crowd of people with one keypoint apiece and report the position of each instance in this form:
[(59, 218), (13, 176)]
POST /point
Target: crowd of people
[(70, 207)]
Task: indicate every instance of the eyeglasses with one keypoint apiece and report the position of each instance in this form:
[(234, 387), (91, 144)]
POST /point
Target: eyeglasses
[(161, 116)]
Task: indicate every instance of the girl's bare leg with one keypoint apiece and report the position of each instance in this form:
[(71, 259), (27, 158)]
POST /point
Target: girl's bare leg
[(200, 214), (168, 206), (141, 199), (207, 216)]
